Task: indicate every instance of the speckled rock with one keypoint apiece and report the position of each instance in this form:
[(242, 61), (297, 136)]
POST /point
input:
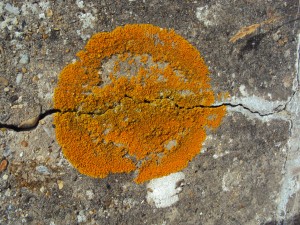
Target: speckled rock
[(248, 169)]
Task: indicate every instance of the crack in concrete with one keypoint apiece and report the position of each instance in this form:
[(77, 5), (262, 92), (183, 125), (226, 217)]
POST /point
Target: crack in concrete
[(32, 123)]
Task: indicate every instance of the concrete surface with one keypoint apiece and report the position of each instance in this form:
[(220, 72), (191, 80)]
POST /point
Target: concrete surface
[(249, 169)]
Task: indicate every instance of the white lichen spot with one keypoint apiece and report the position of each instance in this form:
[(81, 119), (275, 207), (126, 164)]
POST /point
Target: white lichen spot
[(203, 15), (12, 9), (87, 20), (44, 5), (43, 170), (163, 192), (18, 35), (80, 4), (29, 8), (243, 90), (215, 156), (231, 180), (90, 194), (81, 218), (42, 16)]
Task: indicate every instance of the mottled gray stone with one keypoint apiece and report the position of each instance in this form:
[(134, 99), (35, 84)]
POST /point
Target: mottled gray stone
[(248, 171)]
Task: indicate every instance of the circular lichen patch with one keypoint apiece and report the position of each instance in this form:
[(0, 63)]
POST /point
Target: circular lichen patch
[(137, 99)]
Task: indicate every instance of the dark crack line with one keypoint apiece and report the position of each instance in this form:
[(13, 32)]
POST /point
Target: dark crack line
[(29, 126), (33, 123), (233, 106), (276, 110)]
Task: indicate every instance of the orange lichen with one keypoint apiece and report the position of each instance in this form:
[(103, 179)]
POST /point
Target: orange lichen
[(148, 112)]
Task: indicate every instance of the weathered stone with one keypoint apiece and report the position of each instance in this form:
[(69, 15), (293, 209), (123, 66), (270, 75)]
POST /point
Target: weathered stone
[(3, 82), (248, 171)]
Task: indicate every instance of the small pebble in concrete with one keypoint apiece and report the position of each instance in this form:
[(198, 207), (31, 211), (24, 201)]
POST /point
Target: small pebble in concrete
[(5, 177), (19, 78), (60, 184), (3, 165), (13, 98), (49, 13), (29, 123), (35, 79), (24, 59), (24, 143), (7, 192), (3, 81), (24, 70), (42, 189), (42, 169)]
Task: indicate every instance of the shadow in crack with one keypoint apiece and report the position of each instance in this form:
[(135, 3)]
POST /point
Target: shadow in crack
[(292, 221), (29, 124)]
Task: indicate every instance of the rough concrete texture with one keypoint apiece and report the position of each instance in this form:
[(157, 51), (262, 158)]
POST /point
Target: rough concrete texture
[(249, 169)]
